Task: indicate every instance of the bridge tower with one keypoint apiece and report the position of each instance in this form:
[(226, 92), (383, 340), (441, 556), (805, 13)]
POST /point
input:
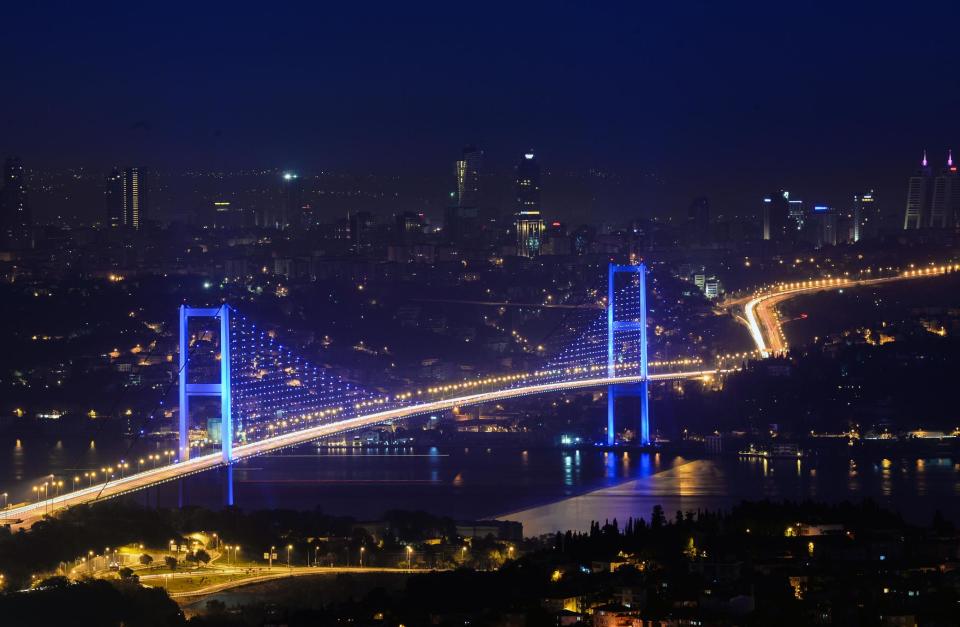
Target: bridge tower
[(635, 321), (221, 389)]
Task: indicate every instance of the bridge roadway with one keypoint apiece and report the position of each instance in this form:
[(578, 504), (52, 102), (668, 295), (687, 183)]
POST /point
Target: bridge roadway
[(27, 515), (761, 311)]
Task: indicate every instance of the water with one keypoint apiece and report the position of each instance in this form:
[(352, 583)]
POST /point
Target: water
[(546, 489)]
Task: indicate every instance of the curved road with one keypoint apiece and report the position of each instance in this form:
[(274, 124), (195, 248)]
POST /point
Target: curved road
[(26, 515), (760, 311)]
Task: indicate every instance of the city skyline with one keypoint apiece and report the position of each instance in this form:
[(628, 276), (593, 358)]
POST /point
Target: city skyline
[(686, 122)]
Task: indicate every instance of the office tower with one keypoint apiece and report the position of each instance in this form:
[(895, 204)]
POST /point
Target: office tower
[(113, 195), (528, 223), (361, 223), (409, 226), (776, 210), (945, 205), (866, 217), (582, 239), (289, 209), (136, 197), (825, 224), (698, 220), (796, 216), (919, 197), (461, 220), (468, 177), (15, 218)]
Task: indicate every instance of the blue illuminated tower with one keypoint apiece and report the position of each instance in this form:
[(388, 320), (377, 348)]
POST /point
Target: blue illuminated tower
[(221, 389), (631, 323)]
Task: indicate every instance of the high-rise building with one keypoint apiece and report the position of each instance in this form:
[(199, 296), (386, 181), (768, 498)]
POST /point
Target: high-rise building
[(866, 217), (113, 196), (919, 197), (775, 210), (825, 226), (461, 220), (945, 206), (796, 216), (528, 223), (136, 197), (15, 218), (361, 225), (468, 177), (698, 220), (409, 226), (289, 210)]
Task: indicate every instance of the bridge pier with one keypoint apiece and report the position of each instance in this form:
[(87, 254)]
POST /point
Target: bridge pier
[(636, 323), (221, 389)]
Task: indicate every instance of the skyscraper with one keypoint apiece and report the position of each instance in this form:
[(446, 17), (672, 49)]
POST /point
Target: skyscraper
[(468, 177), (945, 205), (866, 217), (136, 198), (698, 220), (113, 196), (528, 223), (776, 209), (461, 220), (919, 197), (289, 209), (15, 218)]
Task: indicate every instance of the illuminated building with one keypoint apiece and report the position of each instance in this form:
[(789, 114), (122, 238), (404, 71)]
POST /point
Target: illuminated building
[(919, 197), (461, 220), (361, 225), (15, 216), (409, 226), (825, 225), (866, 219), (289, 209), (528, 223), (796, 214), (113, 195), (775, 213), (136, 197), (468, 177), (945, 206)]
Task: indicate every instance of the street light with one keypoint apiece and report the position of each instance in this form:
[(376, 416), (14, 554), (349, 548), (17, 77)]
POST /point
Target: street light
[(409, 555), (272, 549), (362, 549), (289, 548)]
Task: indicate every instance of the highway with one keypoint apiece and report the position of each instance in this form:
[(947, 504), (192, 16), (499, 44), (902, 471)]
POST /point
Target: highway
[(760, 311), (26, 515)]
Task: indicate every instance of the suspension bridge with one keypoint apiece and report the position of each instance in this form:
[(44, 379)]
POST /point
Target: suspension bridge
[(270, 398)]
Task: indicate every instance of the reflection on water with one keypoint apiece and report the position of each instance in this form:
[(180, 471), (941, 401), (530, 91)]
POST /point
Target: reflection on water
[(922, 486), (545, 488)]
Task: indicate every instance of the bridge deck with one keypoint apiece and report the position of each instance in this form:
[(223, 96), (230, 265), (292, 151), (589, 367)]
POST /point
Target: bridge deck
[(26, 515)]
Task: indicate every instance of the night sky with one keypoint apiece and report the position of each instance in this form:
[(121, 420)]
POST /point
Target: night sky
[(726, 99)]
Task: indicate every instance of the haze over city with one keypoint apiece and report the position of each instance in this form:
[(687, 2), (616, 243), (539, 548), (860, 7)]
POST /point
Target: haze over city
[(506, 315)]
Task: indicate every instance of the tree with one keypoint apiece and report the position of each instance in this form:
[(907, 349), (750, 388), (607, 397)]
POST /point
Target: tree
[(127, 574), (202, 556), (657, 519), (146, 560), (171, 562)]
